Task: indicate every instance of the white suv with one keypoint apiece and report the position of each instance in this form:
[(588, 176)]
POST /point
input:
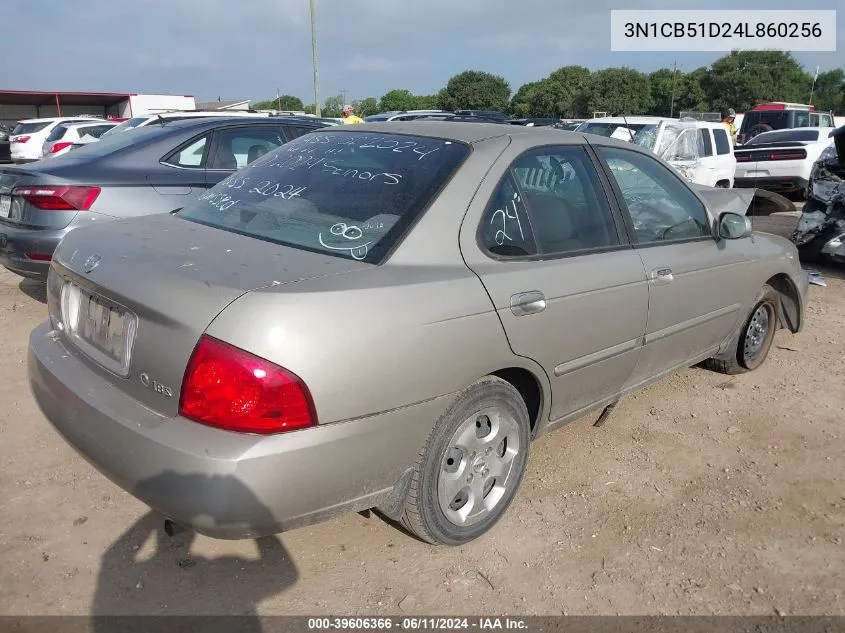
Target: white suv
[(65, 135), (27, 139)]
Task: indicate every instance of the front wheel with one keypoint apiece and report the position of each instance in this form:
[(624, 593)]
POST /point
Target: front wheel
[(472, 465), (751, 347)]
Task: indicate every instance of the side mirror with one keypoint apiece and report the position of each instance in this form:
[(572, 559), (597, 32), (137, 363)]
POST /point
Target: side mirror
[(733, 226)]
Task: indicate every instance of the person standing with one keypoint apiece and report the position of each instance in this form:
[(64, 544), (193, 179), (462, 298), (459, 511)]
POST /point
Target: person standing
[(729, 119), (349, 116)]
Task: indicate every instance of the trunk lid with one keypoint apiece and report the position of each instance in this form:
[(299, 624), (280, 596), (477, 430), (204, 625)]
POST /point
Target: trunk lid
[(172, 277), (20, 212)]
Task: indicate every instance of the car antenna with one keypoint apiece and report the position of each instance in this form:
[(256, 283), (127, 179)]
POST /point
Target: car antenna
[(628, 128)]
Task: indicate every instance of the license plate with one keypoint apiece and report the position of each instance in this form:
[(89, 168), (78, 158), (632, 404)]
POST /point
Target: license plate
[(5, 206), (756, 174), (102, 330)]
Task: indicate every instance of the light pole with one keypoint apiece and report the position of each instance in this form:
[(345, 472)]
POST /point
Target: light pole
[(314, 54)]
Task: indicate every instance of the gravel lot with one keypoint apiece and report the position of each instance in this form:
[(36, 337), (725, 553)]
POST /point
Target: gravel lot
[(703, 494)]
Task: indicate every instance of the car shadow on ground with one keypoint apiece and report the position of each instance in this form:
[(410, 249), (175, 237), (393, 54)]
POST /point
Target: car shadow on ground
[(145, 572), (34, 289)]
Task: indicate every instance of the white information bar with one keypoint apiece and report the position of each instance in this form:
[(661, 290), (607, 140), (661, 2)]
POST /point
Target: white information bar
[(718, 30)]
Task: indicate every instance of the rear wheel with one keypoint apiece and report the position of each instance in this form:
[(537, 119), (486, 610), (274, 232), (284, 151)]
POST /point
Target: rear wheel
[(472, 465), (755, 339)]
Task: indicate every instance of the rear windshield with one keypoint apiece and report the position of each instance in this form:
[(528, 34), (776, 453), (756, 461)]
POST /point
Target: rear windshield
[(340, 193), (30, 128), (108, 145), (129, 124), (57, 133), (766, 120), (785, 135)]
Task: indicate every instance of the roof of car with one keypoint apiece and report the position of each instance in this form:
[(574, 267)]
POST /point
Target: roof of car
[(200, 122), (637, 120), (75, 124), (476, 132)]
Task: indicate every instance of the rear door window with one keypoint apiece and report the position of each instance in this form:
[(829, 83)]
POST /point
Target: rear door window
[(295, 131), (345, 194), (237, 147), (723, 144), (30, 128), (706, 143)]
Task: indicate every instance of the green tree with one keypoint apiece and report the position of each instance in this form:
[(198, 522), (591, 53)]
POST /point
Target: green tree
[(690, 94), (366, 107), (425, 102), (475, 90), (664, 84), (619, 91), (284, 102), (743, 79), (577, 78), (521, 103), (829, 93), (398, 100), (333, 107)]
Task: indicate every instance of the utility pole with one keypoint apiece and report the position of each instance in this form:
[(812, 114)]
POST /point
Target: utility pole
[(343, 95), (279, 98), (813, 87), (674, 75), (314, 55)]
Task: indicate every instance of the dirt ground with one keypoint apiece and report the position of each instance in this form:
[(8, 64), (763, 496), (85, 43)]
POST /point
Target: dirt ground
[(703, 494)]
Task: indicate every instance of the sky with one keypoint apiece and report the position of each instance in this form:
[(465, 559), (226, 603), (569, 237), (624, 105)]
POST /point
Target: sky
[(247, 49)]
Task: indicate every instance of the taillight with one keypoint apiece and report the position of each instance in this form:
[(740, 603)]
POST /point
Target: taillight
[(793, 155), (64, 198), (39, 257), (59, 146), (20, 139), (231, 389), (743, 158)]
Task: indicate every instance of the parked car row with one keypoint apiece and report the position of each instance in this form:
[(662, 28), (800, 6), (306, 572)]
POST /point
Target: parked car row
[(380, 316), (28, 138), (151, 169)]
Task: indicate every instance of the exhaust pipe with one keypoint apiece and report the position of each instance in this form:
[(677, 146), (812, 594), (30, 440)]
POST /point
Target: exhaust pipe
[(171, 528)]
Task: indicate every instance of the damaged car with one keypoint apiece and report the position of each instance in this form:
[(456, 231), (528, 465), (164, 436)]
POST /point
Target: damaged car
[(820, 234)]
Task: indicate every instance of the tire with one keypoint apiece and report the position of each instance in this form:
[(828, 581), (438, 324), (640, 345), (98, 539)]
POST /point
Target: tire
[(751, 347), (759, 129), (488, 419)]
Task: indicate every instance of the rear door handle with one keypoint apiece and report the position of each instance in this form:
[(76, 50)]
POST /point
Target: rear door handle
[(662, 276), (525, 303)]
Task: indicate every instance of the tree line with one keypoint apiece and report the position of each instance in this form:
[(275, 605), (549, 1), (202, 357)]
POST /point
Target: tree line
[(737, 81)]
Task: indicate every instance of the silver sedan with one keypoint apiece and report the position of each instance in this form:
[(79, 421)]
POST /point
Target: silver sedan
[(387, 316)]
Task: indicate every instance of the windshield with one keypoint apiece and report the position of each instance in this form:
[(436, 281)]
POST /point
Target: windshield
[(30, 128), (108, 145), (129, 124), (343, 194), (616, 130), (646, 136), (785, 136)]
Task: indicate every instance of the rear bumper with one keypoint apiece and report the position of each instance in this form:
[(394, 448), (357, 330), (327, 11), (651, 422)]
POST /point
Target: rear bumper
[(773, 183), (222, 484), (15, 243)]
